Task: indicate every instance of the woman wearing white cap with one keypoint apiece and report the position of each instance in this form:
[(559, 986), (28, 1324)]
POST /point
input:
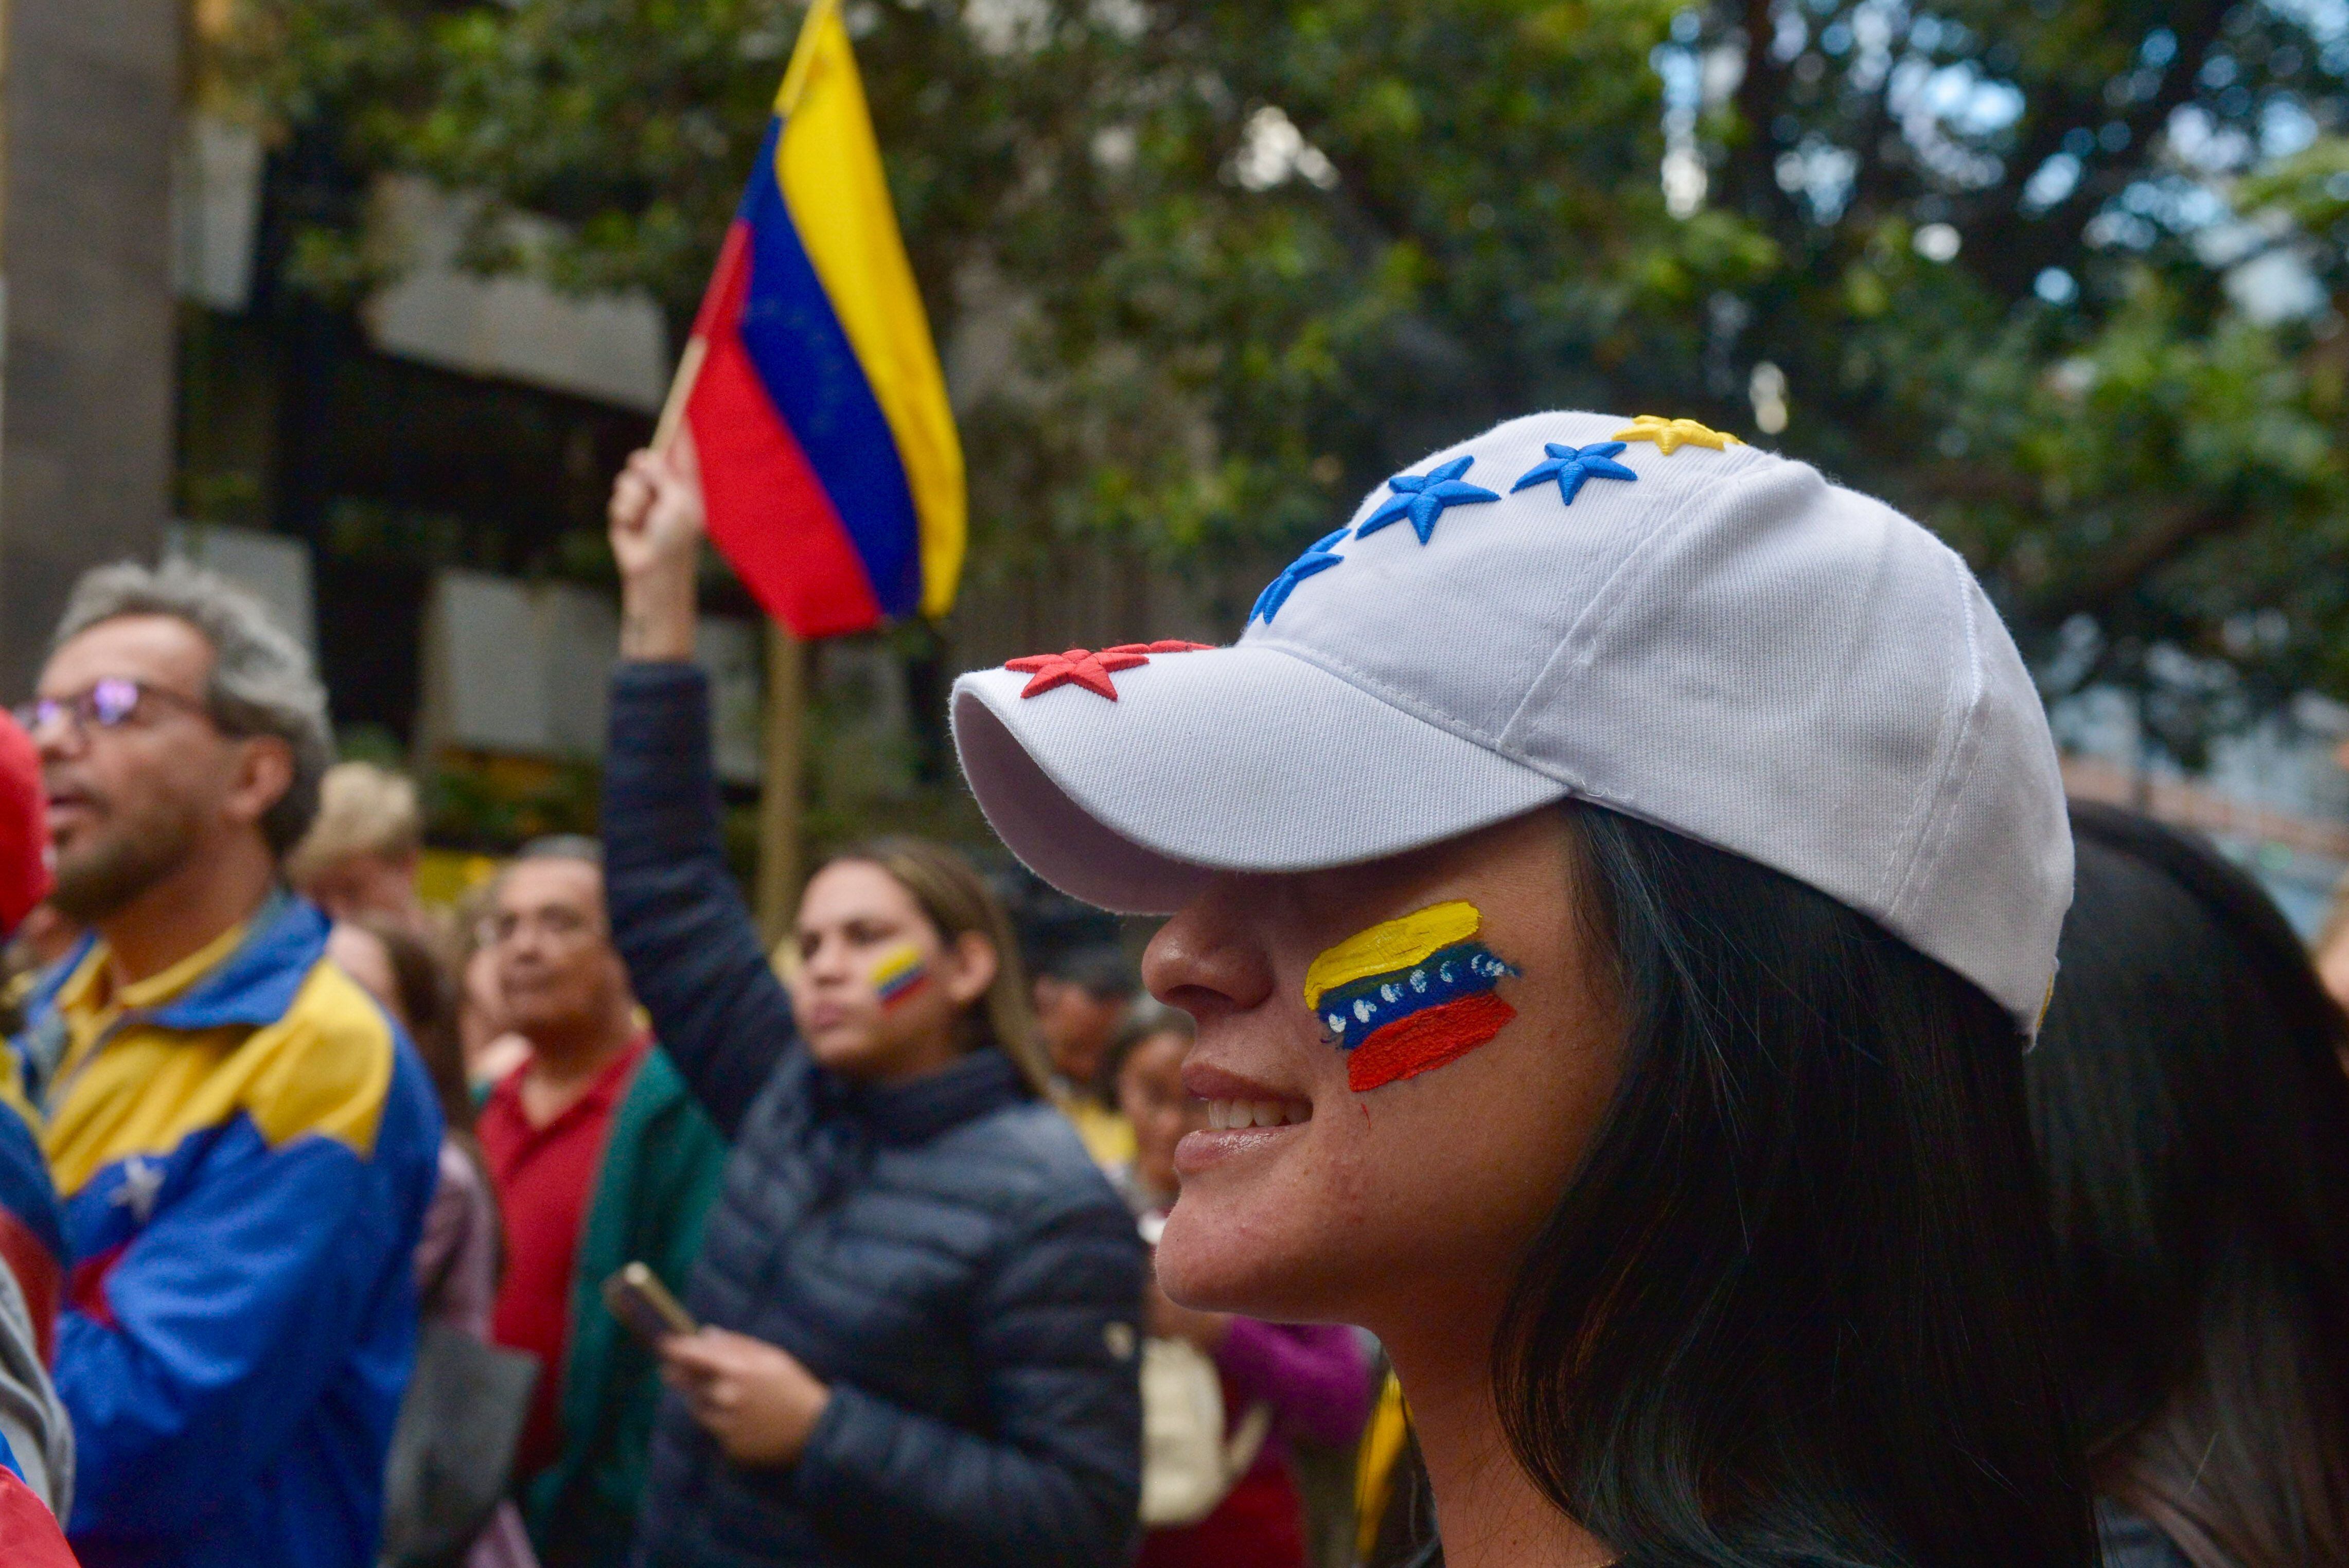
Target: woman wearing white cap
[(1615, 878)]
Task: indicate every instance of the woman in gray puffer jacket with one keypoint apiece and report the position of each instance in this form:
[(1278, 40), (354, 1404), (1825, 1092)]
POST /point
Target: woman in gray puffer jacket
[(920, 1299)]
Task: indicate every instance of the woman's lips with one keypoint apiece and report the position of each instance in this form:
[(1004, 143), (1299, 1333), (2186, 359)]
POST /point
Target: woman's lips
[(1207, 1081), (1213, 1145), (1244, 1115)]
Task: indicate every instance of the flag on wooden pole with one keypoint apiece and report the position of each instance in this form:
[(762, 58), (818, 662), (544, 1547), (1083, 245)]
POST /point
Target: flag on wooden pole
[(830, 466)]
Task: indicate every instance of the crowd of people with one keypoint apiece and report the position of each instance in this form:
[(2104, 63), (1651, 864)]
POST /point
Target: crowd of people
[(1642, 1065)]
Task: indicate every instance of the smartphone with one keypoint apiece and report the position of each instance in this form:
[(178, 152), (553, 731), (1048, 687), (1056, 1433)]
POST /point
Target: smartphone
[(636, 1295)]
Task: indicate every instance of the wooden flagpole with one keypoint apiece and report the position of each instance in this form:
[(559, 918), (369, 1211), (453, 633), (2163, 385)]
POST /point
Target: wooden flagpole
[(782, 775), (784, 783), (785, 774)]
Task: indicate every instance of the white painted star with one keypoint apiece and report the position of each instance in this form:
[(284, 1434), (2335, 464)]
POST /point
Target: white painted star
[(141, 1183)]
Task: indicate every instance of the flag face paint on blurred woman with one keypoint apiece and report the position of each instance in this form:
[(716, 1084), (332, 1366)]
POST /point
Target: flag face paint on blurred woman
[(919, 1295)]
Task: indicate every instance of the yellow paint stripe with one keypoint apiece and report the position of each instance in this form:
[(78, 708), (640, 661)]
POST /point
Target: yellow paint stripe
[(1391, 945), (828, 163), (895, 964)]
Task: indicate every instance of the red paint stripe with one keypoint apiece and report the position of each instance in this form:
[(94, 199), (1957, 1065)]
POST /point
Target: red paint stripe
[(1425, 1040), (768, 513), (910, 985)]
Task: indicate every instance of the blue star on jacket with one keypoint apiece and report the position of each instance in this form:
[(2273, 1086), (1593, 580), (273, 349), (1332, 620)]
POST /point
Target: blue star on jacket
[(1569, 466), (1317, 558), (1422, 498)]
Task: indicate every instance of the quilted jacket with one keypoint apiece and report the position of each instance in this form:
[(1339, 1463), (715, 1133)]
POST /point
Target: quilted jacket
[(942, 1252)]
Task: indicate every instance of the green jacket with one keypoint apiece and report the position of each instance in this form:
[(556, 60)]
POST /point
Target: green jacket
[(662, 1166)]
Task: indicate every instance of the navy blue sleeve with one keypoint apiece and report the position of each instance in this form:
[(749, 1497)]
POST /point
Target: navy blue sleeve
[(690, 946)]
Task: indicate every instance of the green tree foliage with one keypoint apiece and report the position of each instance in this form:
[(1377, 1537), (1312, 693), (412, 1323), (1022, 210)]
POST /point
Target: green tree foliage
[(2023, 266)]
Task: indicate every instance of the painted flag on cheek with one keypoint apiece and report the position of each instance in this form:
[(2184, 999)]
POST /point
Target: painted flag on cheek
[(829, 465), (1408, 995), (898, 974)]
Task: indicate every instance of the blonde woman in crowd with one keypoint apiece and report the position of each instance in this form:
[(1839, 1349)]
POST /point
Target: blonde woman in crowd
[(362, 854)]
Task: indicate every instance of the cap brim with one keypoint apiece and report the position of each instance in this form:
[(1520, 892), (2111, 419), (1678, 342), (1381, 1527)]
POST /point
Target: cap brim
[(1227, 760)]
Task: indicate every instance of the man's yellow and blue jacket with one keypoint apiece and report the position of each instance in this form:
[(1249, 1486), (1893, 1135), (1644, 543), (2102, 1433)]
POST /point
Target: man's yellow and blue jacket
[(244, 1146)]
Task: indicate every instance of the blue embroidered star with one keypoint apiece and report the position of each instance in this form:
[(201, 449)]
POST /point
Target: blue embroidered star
[(1422, 498), (1275, 592), (1569, 466)]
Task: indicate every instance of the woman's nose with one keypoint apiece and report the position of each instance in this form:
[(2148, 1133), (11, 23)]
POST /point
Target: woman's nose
[(1210, 958)]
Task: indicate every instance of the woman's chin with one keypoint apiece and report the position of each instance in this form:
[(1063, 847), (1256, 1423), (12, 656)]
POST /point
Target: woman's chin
[(846, 1049), (1213, 1259)]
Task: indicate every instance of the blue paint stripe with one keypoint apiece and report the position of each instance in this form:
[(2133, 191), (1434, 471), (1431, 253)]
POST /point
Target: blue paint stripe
[(810, 370), (1352, 1013)]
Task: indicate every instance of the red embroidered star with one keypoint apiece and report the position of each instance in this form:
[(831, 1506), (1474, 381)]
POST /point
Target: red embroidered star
[(1082, 666)]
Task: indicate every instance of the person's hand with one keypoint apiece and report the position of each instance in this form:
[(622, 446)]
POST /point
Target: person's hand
[(656, 515), (760, 1402), (1167, 1319)]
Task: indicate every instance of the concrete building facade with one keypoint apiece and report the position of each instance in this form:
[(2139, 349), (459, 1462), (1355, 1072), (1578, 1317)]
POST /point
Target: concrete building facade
[(89, 96)]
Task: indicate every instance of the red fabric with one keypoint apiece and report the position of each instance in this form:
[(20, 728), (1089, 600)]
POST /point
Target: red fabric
[(1429, 1038), (545, 1179), (38, 1276), (1261, 1524), (768, 513), (30, 1536), (85, 1286), (23, 825)]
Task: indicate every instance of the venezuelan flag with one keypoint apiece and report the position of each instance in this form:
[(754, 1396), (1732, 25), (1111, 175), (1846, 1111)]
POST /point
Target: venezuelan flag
[(1408, 995), (830, 466), (898, 974)]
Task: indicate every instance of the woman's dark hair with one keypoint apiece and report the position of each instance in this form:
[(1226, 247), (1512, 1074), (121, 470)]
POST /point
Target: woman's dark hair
[(427, 1005), (2194, 1122), (1795, 1307)]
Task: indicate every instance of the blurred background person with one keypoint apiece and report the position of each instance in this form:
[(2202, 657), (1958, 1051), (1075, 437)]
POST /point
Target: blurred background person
[(458, 1255), (361, 855), (1312, 1378), (1082, 998), (245, 1152), (490, 1047), (2330, 951), (45, 935), (600, 1157), (2194, 1123), (918, 1297)]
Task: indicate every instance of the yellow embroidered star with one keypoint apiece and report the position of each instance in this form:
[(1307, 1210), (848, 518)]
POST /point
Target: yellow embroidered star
[(1670, 435)]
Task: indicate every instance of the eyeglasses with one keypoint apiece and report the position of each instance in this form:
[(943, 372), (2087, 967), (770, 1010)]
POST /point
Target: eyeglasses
[(109, 705)]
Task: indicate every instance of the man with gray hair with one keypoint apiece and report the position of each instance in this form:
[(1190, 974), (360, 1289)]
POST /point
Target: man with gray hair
[(244, 1145)]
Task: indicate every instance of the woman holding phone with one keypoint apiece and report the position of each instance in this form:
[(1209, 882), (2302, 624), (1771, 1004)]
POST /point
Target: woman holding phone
[(1615, 877), (918, 1299)]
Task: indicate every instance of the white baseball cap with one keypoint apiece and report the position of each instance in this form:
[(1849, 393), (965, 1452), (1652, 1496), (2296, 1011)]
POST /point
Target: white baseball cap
[(1647, 615)]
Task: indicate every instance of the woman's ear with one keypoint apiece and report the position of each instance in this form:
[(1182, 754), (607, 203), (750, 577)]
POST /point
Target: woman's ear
[(970, 967)]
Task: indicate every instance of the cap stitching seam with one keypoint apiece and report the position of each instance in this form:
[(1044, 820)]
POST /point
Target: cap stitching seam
[(1925, 855), (1614, 592)]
